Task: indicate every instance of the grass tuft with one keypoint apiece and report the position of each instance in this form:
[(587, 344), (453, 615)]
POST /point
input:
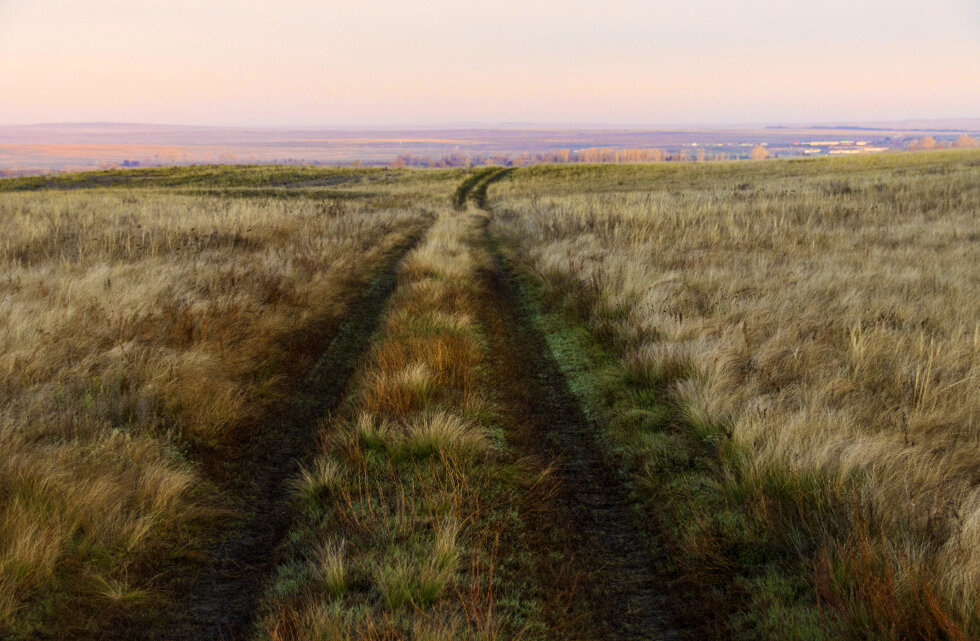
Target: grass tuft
[(332, 568), (322, 476), (444, 434)]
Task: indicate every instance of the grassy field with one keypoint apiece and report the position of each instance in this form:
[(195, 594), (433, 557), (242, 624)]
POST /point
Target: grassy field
[(141, 332), (791, 374), (705, 400)]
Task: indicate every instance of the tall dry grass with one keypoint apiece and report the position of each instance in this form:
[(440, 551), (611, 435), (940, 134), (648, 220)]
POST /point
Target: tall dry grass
[(816, 326), (136, 327)]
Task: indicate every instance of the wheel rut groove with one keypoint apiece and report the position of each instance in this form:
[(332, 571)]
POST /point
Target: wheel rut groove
[(221, 602), (618, 561), (475, 187), (620, 572)]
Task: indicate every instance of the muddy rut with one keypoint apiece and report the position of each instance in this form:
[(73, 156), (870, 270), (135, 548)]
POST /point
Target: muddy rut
[(617, 564), (222, 601)]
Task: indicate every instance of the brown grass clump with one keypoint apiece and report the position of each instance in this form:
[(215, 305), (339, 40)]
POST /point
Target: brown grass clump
[(135, 328), (814, 328)]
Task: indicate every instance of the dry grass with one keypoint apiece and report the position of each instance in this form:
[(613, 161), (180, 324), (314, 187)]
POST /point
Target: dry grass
[(815, 325), (133, 325)]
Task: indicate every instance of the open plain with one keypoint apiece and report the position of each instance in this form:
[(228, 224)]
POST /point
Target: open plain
[(733, 400)]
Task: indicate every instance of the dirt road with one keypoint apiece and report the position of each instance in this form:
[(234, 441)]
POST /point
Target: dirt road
[(222, 600)]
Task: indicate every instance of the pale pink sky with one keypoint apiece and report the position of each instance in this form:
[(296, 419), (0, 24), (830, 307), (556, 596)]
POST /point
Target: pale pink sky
[(380, 62)]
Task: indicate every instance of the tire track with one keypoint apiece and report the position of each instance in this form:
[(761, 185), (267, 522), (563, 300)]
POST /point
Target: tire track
[(221, 602), (476, 185), (594, 515)]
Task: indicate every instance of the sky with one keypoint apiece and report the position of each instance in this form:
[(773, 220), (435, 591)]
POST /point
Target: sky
[(434, 62)]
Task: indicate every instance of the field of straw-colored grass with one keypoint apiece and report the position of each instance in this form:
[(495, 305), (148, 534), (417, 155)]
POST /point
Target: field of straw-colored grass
[(137, 328), (817, 327)]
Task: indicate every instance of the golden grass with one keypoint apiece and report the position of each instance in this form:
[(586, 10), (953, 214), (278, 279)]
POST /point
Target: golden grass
[(818, 323), (133, 324)]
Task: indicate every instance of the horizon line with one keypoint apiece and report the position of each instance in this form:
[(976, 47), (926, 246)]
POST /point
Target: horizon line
[(972, 121)]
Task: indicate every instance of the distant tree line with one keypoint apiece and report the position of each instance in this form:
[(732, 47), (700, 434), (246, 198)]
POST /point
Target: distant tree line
[(928, 142), (588, 155)]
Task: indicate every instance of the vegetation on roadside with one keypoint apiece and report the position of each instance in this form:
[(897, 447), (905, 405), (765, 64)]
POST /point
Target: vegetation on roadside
[(142, 333), (785, 355)]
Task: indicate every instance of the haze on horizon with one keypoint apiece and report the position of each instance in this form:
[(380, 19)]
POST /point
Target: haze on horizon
[(381, 63)]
